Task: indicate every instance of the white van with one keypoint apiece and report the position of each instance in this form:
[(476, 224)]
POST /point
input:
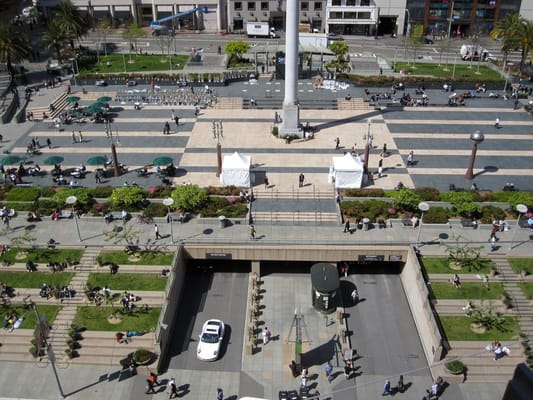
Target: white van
[(469, 52)]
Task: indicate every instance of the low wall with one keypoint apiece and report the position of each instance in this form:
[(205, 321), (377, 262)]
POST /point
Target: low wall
[(418, 298), (169, 310)]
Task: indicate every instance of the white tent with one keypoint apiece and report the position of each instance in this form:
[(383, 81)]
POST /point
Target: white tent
[(236, 170), (346, 172)]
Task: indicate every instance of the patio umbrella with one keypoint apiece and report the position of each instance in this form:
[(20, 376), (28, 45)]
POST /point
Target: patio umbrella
[(11, 160), (72, 99), (53, 160), (162, 161), (97, 160), (94, 108), (103, 99)]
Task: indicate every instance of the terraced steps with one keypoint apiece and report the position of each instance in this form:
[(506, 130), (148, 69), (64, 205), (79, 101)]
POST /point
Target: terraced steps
[(229, 103), (296, 217), (355, 104), (301, 194), (59, 104)]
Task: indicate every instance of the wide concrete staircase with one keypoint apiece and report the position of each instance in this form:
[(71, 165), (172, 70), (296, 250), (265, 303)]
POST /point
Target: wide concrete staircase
[(354, 104), (229, 103), (59, 105)]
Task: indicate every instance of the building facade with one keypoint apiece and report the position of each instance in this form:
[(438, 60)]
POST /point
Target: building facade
[(345, 17)]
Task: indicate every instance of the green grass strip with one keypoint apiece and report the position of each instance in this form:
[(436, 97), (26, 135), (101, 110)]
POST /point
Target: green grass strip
[(125, 281)]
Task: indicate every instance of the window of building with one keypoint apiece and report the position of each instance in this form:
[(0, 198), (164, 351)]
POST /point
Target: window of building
[(264, 6), (304, 6), (335, 2), (335, 15), (363, 15), (318, 6), (350, 15), (251, 6), (238, 6), (365, 3), (350, 3)]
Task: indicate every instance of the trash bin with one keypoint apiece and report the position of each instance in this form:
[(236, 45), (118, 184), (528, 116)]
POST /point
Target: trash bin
[(366, 224), (222, 221)]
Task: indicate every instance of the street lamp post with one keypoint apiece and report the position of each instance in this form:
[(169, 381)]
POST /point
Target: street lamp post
[(422, 206), (408, 29), (521, 208), (71, 200), (369, 138), (168, 202), (477, 137), (114, 157), (450, 20)]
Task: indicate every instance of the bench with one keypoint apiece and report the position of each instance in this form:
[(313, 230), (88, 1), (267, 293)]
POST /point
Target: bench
[(467, 223), (523, 223), (407, 222)]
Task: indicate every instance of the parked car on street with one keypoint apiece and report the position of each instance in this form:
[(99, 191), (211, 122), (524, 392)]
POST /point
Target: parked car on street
[(210, 340)]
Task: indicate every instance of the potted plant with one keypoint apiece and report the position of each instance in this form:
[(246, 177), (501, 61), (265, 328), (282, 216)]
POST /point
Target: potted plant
[(142, 356), (454, 367)]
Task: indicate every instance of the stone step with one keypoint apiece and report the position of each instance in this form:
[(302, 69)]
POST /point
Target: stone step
[(294, 216), (17, 357), (300, 194)]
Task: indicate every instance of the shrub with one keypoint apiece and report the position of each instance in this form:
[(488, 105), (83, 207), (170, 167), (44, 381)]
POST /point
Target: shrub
[(155, 210), (223, 191), (23, 194), (189, 197), (20, 206), (427, 193), (215, 206), (102, 192), (363, 193), (455, 367), (84, 195), (142, 355), (159, 192), (128, 197), (371, 209), (45, 207), (462, 202), (48, 191), (275, 131), (481, 196), (436, 215), (406, 199), (490, 213)]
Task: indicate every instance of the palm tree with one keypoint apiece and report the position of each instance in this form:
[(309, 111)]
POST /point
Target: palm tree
[(74, 24), (54, 37), (506, 30), (14, 46), (524, 39)]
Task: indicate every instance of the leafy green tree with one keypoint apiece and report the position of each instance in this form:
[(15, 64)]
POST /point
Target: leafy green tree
[(54, 37), (340, 48), (416, 41), (132, 33), (14, 46), (516, 33), (236, 49), (82, 194), (127, 196), (103, 29), (405, 199), (463, 202), (188, 197), (75, 25)]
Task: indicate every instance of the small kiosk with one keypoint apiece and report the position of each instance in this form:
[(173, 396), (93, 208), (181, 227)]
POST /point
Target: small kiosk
[(324, 286)]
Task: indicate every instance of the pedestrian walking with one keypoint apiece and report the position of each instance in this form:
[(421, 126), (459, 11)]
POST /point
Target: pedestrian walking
[(347, 369), (380, 172), (80, 136), (347, 226), (156, 230), (266, 335), (97, 177), (386, 388), (220, 394), (219, 50), (303, 383), (132, 367), (516, 102), (253, 102), (410, 158), (485, 278), (384, 151), (172, 389), (266, 183), (380, 162), (252, 232), (301, 179), (49, 143), (166, 129), (497, 123), (150, 388), (5, 219), (493, 243), (177, 120), (337, 143), (401, 386), (328, 369), (172, 115), (74, 137), (355, 296)]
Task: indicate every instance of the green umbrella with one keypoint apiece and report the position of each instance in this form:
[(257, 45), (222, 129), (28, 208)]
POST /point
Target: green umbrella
[(11, 160), (103, 99), (97, 160), (53, 160), (72, 99), (162, 161), (94, 108)]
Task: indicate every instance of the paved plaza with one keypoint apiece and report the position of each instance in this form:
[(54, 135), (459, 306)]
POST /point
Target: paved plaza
[(439, 137)]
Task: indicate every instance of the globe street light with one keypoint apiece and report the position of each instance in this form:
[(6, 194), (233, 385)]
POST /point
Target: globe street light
[(522, 209), (422, 206), (72, 200), (476, 137), (168, 202)]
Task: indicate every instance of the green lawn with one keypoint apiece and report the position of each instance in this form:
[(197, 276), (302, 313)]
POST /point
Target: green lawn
[(527, 288), (28, 313), (18, 279), (95, 319), (139, 63), (146, 258), (521, 264), (462, 71), (458, 328), (125, 281), (467, 291), (441, 265), (44, 255)]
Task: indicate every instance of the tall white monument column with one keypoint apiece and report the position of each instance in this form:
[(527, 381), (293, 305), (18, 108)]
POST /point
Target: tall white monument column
[(291, 110)]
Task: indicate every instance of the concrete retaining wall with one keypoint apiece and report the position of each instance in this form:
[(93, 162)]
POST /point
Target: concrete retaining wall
[(418, 297)]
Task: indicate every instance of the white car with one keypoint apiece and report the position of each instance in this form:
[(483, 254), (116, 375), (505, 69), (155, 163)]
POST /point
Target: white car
[(210, 340)]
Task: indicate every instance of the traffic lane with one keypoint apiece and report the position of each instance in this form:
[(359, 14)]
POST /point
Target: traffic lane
[(384, 332), (209, 295)]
